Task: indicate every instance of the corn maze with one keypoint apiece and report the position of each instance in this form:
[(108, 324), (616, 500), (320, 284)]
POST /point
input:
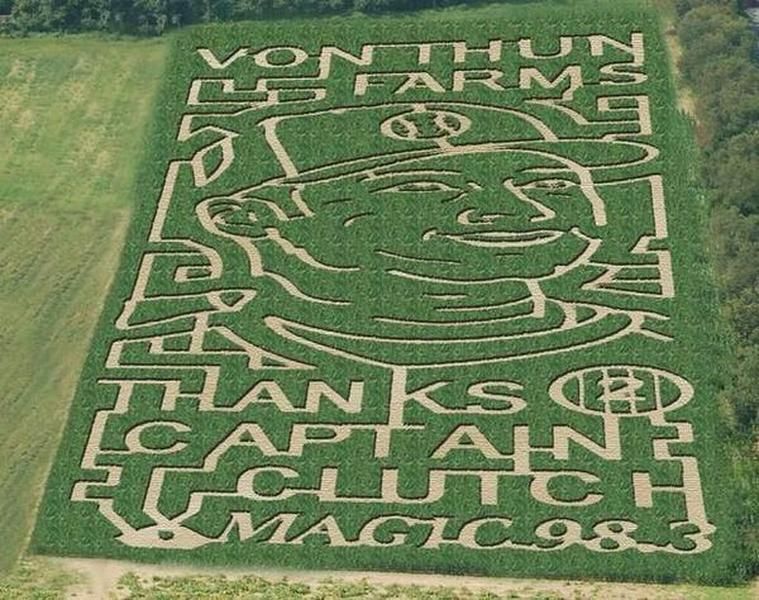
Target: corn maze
[(408, 297)]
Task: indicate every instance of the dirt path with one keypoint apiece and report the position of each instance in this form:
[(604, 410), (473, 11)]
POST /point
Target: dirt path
[(101, 577), (685, 99)]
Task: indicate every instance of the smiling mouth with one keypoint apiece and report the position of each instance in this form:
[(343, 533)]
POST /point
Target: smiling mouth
[(501, 239)]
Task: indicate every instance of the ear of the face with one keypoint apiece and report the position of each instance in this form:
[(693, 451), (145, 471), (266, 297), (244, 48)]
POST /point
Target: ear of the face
[(252, 214), (232, 217)]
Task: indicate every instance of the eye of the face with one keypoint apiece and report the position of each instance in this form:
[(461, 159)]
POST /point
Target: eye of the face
[(550, 184), (419, 186)]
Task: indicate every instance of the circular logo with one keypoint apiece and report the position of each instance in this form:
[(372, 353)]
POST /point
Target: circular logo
[(421, 124), (626, 390)]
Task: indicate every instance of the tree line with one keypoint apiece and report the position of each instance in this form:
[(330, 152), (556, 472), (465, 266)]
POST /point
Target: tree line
[(153, 17), (720, 61)]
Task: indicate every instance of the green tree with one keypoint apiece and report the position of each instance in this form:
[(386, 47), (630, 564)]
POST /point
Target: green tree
[(710, 34), (683, 6), (732, 172), (39, 15), (735, 107)]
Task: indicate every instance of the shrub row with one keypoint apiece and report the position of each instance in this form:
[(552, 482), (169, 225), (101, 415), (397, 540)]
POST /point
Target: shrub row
[(720, 62)]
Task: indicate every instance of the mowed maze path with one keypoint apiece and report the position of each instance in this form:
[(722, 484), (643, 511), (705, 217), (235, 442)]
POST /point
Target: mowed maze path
[(73, 116)]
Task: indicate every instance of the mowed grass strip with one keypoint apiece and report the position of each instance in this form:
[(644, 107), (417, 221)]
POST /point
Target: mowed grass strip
[(72, 120)]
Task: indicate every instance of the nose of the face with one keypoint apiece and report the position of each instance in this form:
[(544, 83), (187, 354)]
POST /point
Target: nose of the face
[(501, 206)]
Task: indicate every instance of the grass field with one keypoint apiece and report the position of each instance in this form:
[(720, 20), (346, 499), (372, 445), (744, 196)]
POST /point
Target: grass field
[(72, 116), (509, 368)]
